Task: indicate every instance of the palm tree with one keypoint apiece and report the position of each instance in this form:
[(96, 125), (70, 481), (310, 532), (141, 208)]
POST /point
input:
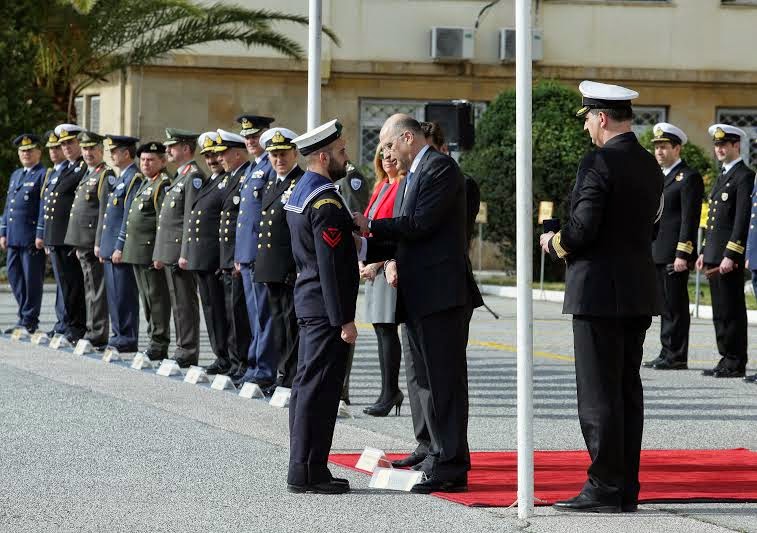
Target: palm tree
[(81, 42)]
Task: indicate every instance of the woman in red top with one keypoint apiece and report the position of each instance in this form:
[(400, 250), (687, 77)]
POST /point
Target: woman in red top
[(380, 297)]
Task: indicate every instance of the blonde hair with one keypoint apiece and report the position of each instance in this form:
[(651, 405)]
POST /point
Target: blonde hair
[(378, 168)]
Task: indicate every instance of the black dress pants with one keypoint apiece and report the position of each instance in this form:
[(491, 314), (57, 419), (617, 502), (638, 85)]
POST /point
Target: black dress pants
[(68, 271), (237, 319), (210, 287), (675, 318), (608, 354), (729, 317), (284, 330)]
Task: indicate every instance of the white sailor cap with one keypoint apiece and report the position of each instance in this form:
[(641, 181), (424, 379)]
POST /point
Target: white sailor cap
[(666, 132), (67, 131), (207, 141), (278, 139), (226, 139), (726, 133), (321, 136), (603, 96)]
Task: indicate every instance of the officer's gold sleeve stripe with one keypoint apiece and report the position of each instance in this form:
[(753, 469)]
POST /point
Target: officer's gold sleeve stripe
[(685, 247), (734, 247), (558, 248)]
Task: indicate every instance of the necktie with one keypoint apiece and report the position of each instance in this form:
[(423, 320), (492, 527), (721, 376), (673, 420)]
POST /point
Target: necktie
[(407, 179)]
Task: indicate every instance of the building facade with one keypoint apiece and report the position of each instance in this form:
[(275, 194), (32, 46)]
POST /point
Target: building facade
[(692, 62)]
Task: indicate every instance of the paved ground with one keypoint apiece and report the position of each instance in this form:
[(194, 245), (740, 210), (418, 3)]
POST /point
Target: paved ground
[(90, 447)]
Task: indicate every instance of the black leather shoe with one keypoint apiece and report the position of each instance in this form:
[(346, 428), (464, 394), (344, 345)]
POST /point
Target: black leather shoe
[(729, 373), (584, 504), (670, 365), (437, 485), (327, 487), (411, 460), (8, 331), (152, 355), (657, 360), (183, 362), (712, 371), (629, 507), (217, 368), (751, 379)]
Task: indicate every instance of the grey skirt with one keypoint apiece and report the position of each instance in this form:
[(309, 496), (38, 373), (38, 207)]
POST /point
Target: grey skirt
[(380, 300)]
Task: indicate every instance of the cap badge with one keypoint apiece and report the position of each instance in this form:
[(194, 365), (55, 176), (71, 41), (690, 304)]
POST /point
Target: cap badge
[(719, 133), (52, 138), (153, 146), (658, 132), (26, 141), (246, 124), (278, 138), (207, 143), (219, 140)]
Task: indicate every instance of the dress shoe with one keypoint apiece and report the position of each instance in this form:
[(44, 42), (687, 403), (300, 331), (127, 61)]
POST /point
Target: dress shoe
[(630, 507), (411, 460), (217, 368), (384, 408), (670, 365), (100, 347), (268, 391), (438, 485), (8, 331), (652, 362), (185, 362), (326, 487), (713, 370), (585, 504), (751, 379), (126, 349), (154, 355), (729, 373)]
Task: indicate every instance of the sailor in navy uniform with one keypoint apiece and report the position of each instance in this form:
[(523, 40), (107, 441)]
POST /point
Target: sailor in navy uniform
[(55, 152), (722, 255), (274, 265), (120, 283), (59, 197), (255, 177), (673, 250), (18, 224), (325, 294)]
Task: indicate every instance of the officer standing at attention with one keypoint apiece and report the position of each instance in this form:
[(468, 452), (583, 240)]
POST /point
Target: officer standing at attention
[(135, 246), (233, 288), (274, 265), (255, 178), (325, 294), (120, 284), (182, 287), (55, 152), (722, 256), (674, 248), (82, 231), (610, 289), (200, 255), (25, 262), (59, 196)]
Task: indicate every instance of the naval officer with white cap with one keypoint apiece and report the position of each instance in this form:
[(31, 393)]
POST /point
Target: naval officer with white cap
[(610, 289)]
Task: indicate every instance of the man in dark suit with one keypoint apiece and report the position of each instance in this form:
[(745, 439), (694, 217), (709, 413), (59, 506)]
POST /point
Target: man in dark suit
[(59, 196), (610, 289), (674, 249), (25, 262), (428, 243), (722, 254)]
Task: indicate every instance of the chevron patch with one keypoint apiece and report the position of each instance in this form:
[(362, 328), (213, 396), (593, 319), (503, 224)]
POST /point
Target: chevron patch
[(332, 236)]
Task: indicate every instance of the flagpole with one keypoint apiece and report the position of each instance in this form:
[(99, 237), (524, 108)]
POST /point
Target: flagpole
[(314, 64)]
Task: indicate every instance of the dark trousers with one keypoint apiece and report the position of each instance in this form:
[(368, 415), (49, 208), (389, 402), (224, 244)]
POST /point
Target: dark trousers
[(608, 354), (675, 318), (60, 308), (346, 385), (284, 330), (210, 287), (123, 306), (390, 357), (729, 317), (437, 347), (95, 300), (182, 290), (416, 407), (156, 304), (262, 358), (314, 401), (71, 281), (26, 275), (236, 319)]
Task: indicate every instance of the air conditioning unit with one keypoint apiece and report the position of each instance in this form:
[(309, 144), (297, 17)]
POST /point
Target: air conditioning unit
[(507, 45), (451, 44)]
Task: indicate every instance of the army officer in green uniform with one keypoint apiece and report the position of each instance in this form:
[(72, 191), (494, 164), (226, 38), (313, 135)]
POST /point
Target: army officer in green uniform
[(135, 246)]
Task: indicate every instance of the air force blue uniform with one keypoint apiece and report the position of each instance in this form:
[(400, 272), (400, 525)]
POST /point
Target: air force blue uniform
[(25, 263), (120, 284), (261, 358)]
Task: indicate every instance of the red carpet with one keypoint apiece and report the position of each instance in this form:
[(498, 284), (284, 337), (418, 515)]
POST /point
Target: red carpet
[(666, 476)]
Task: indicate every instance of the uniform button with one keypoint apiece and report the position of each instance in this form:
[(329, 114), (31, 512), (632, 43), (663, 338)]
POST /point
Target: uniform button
[(148, 242), (243, 198), (271, 211), (158, 226), (197, 221), (269, 245), (261, 222), (11, 220), (260, 235), (105, 226), (228, 222), (11, 210), (226, 230), (240, 211), (199, 212), (260, 245), (270, 222), (192, 213), (105, 215), (127, 234), (197, 239), (269, 233), (239, 225), (226, 239), (219, 239), (264, 213)]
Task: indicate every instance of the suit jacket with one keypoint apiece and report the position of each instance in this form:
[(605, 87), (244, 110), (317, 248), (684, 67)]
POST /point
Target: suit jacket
[(729, 215), (91, 193), (22, 205), (472, 203), (428, 240), (607, 240), (200, 240), (228, 226), (257, 176), (59, 197), (121, 191), (176, 210), (677, 236), (137, 238), (274, 262)]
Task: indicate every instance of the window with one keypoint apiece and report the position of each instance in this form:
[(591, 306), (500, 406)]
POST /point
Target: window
[(88, 112), (373, 114), (645, 117), (79, 106), (746, 119)]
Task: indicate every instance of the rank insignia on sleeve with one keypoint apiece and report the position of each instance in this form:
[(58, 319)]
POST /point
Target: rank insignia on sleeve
[(332, 236), (325, 201)]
